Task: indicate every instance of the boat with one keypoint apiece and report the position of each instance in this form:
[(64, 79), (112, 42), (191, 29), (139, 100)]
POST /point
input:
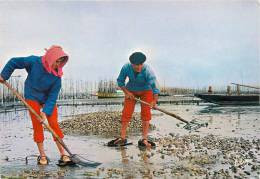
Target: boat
[(231, 99), (164, 94), (223, 99), (164, 91), (116, 94)]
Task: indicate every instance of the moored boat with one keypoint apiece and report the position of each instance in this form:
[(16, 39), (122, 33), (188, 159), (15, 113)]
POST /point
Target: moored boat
[(231, 99), (116, 94), (223, 99)]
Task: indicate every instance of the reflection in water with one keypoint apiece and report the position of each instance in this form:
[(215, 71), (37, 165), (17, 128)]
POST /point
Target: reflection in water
[(125, 159), (126, 167), (239, 111), (132, 167), (147, 165), (210, 110), (144, 156), (213, 109)]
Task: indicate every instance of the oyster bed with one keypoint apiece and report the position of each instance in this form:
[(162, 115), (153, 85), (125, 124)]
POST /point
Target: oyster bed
[(100, 123), (187, 156), (213, 152)]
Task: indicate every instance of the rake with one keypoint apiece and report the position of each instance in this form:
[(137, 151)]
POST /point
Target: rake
[(77, 159), (191, 126)]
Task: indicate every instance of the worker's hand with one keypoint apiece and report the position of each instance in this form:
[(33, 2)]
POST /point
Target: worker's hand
[(154, 103), (1, 79), (43, 116), (129, 95), (155, 99)]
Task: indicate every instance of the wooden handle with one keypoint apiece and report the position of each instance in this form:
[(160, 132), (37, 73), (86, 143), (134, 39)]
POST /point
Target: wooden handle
[(164, 111), (38, 116)]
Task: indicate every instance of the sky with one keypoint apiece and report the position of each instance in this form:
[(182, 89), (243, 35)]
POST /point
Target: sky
[(188, 43)]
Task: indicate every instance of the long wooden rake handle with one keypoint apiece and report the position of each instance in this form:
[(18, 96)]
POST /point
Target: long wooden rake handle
[(42, 121), (164, 111)]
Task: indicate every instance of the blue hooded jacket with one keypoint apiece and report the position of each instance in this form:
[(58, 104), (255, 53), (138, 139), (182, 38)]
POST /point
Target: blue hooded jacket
[(40, 85)]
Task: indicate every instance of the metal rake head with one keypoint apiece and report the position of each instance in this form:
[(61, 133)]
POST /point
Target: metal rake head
[(195, 124), (77, 159)]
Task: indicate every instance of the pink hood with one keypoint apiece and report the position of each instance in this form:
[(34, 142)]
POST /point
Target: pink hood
[(52, 54)]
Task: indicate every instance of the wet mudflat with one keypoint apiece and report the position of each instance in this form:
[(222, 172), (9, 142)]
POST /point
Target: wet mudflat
[(227, 148)]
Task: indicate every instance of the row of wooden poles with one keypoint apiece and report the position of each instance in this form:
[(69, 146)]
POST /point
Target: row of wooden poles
[(237, 89), (78, 89), (81, 89)]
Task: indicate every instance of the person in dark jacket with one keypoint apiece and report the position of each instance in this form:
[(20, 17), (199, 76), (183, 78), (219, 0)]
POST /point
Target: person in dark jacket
[(41, 90)]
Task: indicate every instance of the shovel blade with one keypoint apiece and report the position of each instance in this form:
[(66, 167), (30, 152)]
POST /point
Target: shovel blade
[(84, 162)]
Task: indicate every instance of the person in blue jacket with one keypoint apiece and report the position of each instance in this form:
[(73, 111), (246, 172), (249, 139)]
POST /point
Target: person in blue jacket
[(41, 90), (141, 84)]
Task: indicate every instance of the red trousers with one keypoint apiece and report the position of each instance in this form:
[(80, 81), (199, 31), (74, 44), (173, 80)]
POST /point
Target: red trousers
[(38, 135), (129, 106)]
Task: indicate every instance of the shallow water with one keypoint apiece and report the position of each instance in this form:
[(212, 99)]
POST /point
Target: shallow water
[(16, 138)]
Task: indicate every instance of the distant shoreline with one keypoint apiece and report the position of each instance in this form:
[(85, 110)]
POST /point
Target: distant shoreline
[(185, 100)]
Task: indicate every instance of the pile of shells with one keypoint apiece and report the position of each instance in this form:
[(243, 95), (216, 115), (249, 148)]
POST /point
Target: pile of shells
[(100, 123), (185, 156), (193, 156), (37, 174)]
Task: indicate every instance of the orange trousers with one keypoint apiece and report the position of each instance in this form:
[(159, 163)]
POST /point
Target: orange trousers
[(129, 106), (38, 135)]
